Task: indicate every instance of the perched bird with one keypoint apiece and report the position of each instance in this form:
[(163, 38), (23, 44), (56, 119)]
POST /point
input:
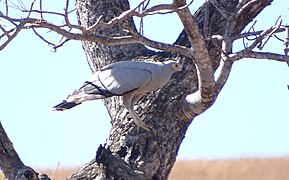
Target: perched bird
[(129, 79)]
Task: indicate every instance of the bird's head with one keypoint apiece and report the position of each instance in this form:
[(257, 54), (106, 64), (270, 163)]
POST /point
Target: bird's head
[(174, 66)]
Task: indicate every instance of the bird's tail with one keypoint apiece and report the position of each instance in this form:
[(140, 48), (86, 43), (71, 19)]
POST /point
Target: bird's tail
[(64, 106)]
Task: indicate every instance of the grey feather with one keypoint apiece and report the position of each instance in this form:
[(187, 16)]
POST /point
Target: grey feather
[(129, 79), (122, 80)]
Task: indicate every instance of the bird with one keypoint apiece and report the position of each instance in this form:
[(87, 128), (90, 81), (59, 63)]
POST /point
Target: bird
[(129, 79)]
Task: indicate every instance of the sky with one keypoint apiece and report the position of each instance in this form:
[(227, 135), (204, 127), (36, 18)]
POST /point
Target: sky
[(249, 118)]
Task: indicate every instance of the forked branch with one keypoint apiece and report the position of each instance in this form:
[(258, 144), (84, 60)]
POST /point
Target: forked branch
[(195, 101), (76, 32)]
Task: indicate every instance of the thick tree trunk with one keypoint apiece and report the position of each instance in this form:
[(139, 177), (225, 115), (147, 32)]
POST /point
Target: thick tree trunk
[(129, 153)]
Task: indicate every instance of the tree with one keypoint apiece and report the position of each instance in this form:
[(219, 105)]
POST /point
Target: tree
[(107, 30)]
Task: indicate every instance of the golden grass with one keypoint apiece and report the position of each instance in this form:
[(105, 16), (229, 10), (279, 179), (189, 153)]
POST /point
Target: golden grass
[(58, 174), (239, 169), (236, 169)]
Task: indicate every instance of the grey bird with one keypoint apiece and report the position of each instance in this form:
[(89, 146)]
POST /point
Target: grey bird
[(129, 79)]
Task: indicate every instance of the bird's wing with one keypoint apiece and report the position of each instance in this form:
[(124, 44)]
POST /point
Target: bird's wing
[(116, 81)]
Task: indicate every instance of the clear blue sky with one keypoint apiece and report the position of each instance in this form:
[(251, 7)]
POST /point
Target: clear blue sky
[(250, 117)]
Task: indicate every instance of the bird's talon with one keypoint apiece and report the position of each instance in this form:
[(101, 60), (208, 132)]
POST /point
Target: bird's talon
[(143, 126)]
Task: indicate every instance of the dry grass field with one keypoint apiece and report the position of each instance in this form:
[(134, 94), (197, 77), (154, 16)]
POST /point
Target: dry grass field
[(58, 174), (238, 169)]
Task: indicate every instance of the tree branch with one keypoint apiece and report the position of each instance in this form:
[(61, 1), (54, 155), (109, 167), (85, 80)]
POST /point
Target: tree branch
[(255, 33), (124, 157), (204, 98), (259, 55), (228, 57), (87, 35), (222, 75), (241, 7), (31, 23), (225, 66), (14, 32)]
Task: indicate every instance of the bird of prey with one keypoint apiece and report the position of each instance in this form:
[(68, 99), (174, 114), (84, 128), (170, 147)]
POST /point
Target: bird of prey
[(129, 79)]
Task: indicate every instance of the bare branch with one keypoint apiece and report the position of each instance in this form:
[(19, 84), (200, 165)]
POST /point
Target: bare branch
[(240, 9), (259, 55), (161, 9), (93, 27), (261, 45), (225, 66), (276, 23), (158, 9), (111, 23), (115, 40), (67, 22), (165, 47), (60, 44), (42, 38), (201, 100), (263, 35), (241, 3), (86, 35), (14, 32), (14, 6), (31, 7), (21, 4), (6, 8), (60, 29), (210, 82), (5, 33), (222, 74), (278, 38), (53, 47), (40, 7), (41, 12), (286, 43), (227, 58), (255, 33)]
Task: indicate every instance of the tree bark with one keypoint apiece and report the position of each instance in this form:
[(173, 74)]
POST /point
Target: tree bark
[(129, 153)]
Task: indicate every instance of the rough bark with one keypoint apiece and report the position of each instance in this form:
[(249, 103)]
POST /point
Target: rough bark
[(129, 153)]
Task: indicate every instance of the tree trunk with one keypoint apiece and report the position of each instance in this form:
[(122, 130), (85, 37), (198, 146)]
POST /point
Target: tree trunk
[(130, 153)]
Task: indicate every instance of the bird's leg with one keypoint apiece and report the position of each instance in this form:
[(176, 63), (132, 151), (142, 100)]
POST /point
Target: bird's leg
[(127, 101), (138, 121)]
